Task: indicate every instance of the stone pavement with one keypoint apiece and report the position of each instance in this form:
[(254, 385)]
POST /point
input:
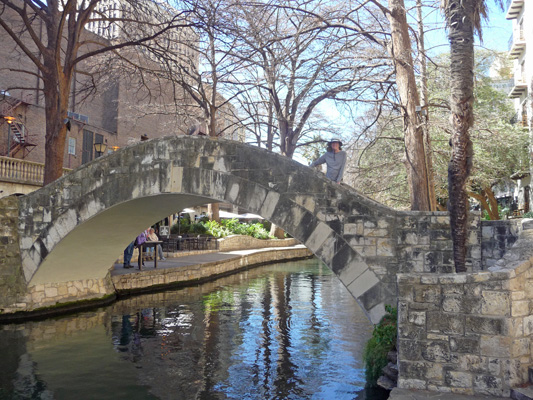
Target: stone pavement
[(407, 394), (193, 269)]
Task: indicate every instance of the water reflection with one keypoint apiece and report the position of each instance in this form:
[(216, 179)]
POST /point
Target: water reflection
[(285, 331)]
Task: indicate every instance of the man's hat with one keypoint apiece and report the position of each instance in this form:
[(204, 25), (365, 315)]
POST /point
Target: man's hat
[(335, 140)]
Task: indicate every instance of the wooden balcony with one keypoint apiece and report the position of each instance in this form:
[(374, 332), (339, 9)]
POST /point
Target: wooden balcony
[(21, 171)]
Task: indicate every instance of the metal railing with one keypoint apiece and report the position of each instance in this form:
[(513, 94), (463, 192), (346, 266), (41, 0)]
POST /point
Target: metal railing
[(22, 171)]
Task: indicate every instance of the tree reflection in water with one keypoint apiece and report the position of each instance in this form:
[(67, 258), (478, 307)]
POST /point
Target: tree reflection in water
[(285, 331)]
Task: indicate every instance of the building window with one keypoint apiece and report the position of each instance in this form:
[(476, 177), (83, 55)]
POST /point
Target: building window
[(72, 146), (87, 150)]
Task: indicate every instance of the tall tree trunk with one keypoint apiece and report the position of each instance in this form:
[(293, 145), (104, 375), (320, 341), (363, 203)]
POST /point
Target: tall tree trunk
[(56, 95), (213, 209), (424, 89), (405, 80), (459, 16)]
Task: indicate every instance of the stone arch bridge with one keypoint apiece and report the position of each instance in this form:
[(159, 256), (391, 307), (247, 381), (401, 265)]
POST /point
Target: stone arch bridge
[(73, 229), (461, 333)]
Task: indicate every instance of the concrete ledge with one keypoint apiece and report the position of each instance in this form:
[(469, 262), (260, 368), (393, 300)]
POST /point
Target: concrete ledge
[(240, 242)]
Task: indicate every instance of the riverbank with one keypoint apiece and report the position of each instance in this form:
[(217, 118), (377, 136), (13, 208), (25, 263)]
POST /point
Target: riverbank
[(187, 270), (193, 269)]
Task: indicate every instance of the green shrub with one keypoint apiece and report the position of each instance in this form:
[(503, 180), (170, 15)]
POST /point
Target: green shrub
[(234, 227), (215, 229), (184, 227), (529, 214), (198, 228), (382, 341)]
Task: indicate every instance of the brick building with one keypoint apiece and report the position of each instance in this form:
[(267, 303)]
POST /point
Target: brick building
[(120, 108)]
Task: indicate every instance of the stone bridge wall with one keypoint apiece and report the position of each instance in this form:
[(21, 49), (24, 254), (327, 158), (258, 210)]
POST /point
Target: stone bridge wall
[(12, 282), (469, 333), (64, 227)]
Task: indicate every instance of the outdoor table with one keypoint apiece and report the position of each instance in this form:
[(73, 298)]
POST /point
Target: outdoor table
[(147, 245)]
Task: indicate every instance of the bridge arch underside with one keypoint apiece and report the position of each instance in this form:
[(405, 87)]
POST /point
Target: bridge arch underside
[(96, 211)]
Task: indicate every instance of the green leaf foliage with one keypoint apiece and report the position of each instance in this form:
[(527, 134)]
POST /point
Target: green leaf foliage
[(228, 227), (382, 341), (499, 140)]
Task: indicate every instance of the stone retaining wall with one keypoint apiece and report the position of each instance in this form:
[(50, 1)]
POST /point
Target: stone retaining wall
[(194, 273), (52, 294), (242, 242), (468, 333)]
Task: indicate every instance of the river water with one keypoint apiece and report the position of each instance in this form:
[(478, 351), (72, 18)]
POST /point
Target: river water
[(283, 331)]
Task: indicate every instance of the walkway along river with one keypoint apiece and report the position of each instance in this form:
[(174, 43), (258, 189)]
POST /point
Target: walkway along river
[(283, 331)]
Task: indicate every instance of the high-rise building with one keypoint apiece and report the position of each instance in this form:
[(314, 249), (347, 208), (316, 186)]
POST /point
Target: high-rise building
[(521, 15)]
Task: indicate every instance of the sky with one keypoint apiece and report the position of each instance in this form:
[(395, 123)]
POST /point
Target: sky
[(496, 30), (496, 33)]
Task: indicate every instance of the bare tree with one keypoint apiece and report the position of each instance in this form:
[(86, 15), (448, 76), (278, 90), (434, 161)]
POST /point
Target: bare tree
[(65, 45), (304, 61)]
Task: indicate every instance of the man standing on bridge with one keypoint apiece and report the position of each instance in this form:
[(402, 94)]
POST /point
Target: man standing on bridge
[(335, 159)]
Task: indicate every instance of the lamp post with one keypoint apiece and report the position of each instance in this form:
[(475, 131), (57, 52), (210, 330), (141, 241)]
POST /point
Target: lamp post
[(100, 148), (9, 121)]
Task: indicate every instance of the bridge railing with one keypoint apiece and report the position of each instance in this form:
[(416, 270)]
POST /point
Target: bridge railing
[(22, 171)]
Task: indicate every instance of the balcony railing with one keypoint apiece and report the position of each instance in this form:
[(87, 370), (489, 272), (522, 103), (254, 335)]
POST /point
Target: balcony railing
[(517, 44), (22, 171), (514, 7), (519, 88)]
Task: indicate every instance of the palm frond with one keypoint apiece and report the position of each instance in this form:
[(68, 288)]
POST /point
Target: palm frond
[(480, 12)]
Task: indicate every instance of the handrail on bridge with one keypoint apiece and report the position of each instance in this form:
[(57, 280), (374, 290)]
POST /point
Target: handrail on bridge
[(23, 171)]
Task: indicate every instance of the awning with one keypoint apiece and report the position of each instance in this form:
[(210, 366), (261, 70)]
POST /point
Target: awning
[(225, 214), (250, 216)]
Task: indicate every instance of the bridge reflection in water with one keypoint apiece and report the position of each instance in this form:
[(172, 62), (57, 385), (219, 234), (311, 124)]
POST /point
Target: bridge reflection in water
[(285, 331)]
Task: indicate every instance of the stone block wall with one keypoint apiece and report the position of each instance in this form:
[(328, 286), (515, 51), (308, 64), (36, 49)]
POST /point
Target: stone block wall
[(425, 243), (52, 294), (468, 333), (496, 238), (12, 282)]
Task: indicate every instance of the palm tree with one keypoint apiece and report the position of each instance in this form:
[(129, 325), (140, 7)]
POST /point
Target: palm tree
[(463, 18)]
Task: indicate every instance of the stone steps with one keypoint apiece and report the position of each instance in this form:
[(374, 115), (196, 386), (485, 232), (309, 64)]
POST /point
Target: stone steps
[(389, 379), (525, 393)]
